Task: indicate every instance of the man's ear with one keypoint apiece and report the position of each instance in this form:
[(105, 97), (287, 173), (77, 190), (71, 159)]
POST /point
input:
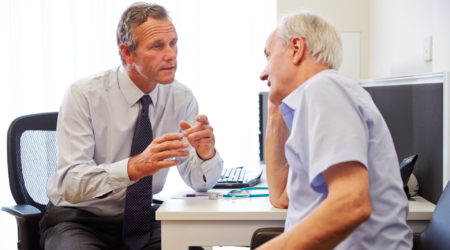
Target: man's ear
[(126, 53), (298, 48)]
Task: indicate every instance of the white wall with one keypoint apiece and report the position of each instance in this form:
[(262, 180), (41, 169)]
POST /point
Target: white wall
[(392, 32), (441, 35), (350, 17), (397, 32)]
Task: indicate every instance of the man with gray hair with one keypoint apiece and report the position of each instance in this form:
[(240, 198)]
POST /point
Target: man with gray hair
[(118, 133), (330, 158)]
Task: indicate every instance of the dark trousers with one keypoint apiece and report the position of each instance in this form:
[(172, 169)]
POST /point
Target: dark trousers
[(72, 228)]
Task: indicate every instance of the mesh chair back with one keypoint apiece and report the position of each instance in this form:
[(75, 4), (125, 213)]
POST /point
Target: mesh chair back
[(31, 147)]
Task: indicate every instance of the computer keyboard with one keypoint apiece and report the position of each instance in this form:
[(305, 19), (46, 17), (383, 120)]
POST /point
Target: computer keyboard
[(238, 177)]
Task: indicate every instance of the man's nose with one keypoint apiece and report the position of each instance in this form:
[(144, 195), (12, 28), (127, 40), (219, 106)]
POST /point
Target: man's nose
[(170, 53), (263, 75)]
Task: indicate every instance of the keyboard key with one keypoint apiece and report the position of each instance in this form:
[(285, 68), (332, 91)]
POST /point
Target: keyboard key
[(237, 177)]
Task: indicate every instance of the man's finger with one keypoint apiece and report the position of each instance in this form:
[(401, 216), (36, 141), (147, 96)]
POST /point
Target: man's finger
[(168, 137), (194, 129), (202, 119), (199, 135), (170, 145), (165, 155), (184, 125)]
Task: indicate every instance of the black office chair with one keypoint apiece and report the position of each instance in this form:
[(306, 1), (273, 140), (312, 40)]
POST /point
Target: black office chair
[(437, 234), (31, 149), (262, 235), (406, 169)]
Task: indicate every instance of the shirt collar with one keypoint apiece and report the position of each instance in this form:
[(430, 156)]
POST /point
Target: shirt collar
[(290, 103), (130, 91), (288, 115), (292, 100)]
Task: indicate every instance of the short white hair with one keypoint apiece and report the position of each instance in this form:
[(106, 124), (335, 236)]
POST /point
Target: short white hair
[(321, 38)]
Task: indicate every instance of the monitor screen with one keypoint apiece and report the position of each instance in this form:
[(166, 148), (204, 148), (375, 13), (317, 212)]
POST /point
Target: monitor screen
[(414, 114)]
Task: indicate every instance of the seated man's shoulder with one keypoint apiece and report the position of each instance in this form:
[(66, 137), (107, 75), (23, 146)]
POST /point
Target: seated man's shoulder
[(101, 80)]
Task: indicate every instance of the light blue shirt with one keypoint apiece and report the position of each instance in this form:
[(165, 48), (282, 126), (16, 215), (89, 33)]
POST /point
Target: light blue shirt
[(95, 129), (333, 120)]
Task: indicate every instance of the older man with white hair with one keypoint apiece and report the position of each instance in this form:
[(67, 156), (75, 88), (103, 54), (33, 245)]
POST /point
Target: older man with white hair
[(330, 156)]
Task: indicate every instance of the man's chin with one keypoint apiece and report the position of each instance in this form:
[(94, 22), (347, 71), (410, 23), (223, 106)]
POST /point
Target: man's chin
[(275, 98), (166, 80)]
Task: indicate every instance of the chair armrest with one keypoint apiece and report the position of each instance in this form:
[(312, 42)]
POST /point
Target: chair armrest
[(23, 212), (157, 201), (262, 235), (27, 218)]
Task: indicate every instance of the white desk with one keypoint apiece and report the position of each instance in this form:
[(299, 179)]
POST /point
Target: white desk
[(420, 211), (222, 222), (227, 222)]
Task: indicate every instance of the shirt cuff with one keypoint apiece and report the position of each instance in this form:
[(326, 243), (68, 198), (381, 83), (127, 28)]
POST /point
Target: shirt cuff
[(118, 173), (211, 163)]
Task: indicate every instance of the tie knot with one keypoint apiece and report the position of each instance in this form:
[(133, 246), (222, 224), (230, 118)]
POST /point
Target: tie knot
[(145, 100)]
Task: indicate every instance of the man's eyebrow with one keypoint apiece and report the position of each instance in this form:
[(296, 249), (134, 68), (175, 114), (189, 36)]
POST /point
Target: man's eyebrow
[(158, 40)]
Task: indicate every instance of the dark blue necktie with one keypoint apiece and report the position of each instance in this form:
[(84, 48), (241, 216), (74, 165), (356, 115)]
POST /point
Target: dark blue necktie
[(138, 215)]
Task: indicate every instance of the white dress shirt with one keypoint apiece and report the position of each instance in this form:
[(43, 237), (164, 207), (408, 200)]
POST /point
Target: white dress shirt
[(95, 129)]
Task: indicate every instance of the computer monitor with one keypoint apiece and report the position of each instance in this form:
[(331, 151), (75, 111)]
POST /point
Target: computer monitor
[(263, 97), (415, 111)]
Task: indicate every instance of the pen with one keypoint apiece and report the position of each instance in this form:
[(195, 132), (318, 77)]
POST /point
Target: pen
[(195, 195)]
